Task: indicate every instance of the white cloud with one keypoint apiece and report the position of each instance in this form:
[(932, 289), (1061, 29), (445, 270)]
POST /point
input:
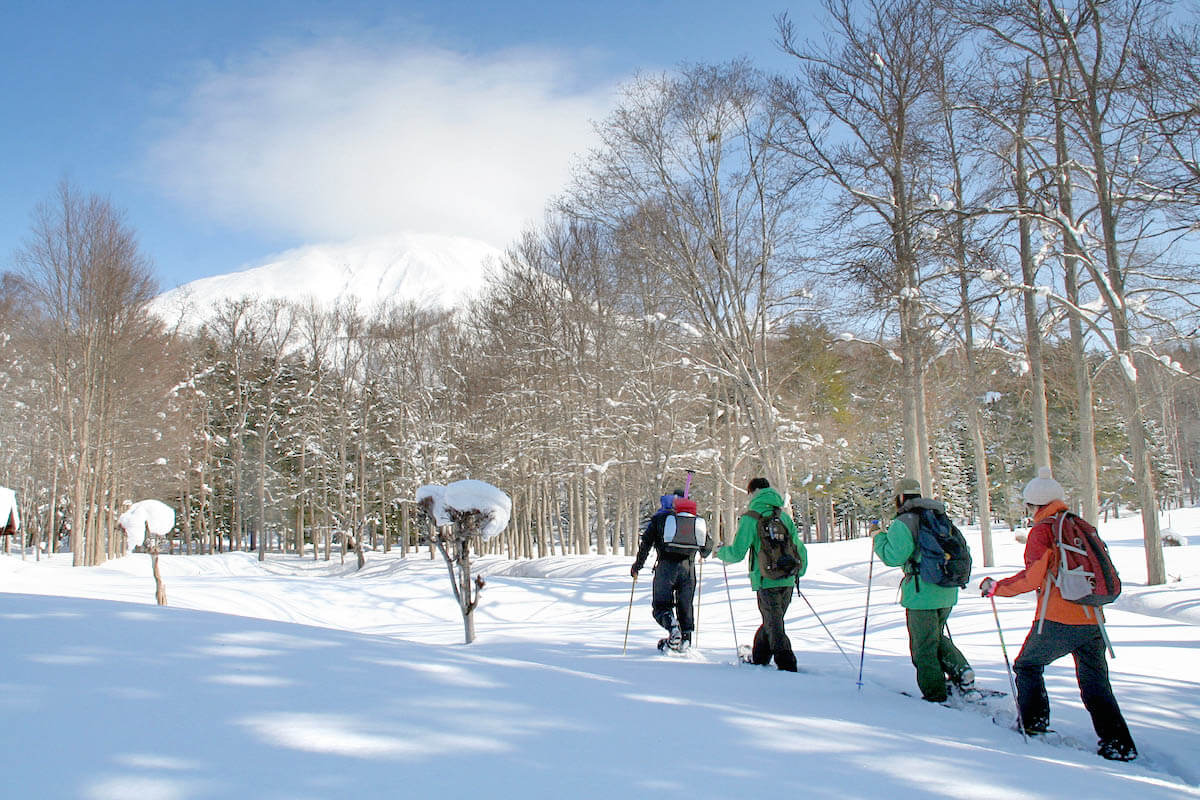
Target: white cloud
[(344, 139)]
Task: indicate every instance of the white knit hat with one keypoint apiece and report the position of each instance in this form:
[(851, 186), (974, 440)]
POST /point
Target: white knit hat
[(1043, 489)]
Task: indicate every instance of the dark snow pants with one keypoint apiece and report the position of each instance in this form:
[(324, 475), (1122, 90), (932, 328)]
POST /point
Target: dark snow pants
[(770, 640), (673, 591), (1085, 644), (933, 654)]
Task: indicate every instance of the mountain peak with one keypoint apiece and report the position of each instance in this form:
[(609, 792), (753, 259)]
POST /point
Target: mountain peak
[(430, 270)]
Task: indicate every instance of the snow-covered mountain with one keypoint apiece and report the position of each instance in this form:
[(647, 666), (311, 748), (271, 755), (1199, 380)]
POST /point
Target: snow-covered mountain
[(428, 269)]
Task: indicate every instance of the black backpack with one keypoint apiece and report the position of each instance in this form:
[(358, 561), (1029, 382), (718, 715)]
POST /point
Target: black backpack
[(777, 554), (941, 555)]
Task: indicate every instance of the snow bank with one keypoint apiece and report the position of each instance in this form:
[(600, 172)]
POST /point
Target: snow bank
[(153, 514)]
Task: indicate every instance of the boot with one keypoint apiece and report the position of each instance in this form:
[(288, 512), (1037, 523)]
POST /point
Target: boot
[(675, 638)]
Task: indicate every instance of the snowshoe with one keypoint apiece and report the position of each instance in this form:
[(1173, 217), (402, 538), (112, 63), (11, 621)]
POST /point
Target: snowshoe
[(675, 639), (1116, 751), (972, 693)]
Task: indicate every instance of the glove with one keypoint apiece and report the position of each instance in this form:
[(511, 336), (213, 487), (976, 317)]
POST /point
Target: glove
[(633, 571), (987, 587)]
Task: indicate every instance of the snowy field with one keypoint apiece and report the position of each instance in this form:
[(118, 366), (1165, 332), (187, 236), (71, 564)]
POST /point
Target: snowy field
[(302, 679)]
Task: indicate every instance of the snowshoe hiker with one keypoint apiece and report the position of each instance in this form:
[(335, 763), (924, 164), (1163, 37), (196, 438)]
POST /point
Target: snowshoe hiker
[(677, 534), (1061, 628), (927, 603), (774, 593)]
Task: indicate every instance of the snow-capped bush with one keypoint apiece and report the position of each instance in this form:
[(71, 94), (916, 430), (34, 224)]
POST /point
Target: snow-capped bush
[(452, 503), (152, 515), (1172, 539)]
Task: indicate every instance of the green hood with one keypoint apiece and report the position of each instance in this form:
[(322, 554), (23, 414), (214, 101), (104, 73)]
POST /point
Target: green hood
[(764, 500)]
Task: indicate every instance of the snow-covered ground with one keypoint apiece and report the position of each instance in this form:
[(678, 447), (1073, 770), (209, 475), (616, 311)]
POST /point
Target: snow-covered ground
[(305, 679)]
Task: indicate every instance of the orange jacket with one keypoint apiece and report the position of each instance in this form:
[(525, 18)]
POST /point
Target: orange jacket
[(1041, 559)]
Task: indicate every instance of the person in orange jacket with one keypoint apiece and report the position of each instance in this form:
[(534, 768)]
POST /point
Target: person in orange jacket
[(1067, 629)]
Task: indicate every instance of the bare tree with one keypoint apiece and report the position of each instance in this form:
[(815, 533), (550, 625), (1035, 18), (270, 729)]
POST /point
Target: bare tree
[(1117, 237), (687, 174), (88, 284), (864, 114)]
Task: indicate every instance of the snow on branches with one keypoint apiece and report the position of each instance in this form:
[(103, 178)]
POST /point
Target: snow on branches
[(146, 517), (479, 507)]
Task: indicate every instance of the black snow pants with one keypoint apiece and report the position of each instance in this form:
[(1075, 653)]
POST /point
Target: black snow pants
[(1085, 644), (674, 589)]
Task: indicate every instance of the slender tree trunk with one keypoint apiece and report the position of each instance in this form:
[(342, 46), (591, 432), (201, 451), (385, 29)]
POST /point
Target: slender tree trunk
[(160, 588), (1088, 489), (1033, 333), (262, 493), (601, 522)]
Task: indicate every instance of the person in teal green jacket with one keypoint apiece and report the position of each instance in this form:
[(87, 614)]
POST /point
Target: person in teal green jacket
[(774, 595), (927, 606)]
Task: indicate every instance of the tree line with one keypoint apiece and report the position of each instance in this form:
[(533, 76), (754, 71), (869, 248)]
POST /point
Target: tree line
[(956, 241)]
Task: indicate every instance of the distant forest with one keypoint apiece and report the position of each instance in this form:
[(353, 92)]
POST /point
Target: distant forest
[(958, 241)]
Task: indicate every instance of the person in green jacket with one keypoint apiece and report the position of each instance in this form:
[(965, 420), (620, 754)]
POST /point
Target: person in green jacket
[(927, 606), (774, 595)]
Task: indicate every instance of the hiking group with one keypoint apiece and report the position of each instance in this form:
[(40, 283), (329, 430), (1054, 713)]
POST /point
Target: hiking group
[(1066, 563)]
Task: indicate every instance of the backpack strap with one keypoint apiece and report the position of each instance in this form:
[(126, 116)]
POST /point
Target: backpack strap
[(912, 567), (1103, 631), (752, 550), (1056, 526)]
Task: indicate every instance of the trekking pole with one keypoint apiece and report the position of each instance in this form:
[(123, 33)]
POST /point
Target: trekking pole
[(629, 616), (1012, 684), (862, 656), (736, 647), (687, 489), (823, 625)]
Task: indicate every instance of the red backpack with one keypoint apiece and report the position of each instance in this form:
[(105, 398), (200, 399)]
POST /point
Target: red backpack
[(1086, 574)]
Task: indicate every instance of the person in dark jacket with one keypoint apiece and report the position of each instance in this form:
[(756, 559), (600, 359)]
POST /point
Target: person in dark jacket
[(774, 594), (1062, 628), (674, 586), (927, 606)]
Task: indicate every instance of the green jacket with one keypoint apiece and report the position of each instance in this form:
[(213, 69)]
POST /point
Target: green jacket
[(746, 539), (895, 547)]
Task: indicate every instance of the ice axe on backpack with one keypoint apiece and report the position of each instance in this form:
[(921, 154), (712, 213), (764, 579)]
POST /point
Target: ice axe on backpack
[(687, 483)]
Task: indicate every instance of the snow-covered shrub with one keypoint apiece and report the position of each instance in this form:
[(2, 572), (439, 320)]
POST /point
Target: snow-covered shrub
[(146, 517), (457, 513)]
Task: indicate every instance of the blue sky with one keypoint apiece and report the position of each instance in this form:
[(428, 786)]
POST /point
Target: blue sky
[(230, 131)]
